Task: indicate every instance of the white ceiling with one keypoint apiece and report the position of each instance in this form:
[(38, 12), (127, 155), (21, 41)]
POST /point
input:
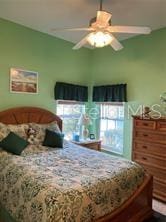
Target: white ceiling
[(43, 15)]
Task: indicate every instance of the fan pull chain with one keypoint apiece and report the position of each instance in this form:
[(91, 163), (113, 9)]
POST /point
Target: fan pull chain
[(101, 2)]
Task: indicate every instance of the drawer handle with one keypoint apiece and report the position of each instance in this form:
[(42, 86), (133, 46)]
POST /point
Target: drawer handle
[(144, 158), (145, 135), (145, 147), (145, 124)]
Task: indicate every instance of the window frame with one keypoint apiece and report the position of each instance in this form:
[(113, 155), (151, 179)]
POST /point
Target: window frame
[(69, 116), (107, 147)]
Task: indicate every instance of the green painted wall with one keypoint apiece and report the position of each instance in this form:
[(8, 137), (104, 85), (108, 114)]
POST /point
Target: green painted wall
[(51, 57), (141, 64)]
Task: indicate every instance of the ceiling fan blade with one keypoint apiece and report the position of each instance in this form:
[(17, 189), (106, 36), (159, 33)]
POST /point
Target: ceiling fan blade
[(72, 29), (116, 45), (81, 43), (103, 17), (129, 29)]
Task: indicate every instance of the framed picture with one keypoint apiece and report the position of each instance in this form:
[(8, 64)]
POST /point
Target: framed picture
[(92, 136), (23, 81)]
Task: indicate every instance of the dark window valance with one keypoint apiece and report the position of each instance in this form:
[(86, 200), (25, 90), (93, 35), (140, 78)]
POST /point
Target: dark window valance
[(110, 93), (66, 91)]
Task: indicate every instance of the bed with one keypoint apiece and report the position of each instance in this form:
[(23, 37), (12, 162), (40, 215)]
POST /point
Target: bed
[(72, 184)]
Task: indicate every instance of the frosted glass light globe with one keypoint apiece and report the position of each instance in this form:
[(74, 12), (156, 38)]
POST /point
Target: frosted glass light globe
[(99, 39)]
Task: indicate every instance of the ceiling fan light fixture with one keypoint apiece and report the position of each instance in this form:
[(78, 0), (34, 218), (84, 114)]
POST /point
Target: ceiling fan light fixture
[(99, 39), (101, 31)]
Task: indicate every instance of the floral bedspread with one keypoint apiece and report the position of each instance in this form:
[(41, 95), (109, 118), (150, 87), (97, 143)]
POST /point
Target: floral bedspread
[(72, 184)]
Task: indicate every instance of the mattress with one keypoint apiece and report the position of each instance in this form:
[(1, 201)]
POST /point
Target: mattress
[(73, 184)]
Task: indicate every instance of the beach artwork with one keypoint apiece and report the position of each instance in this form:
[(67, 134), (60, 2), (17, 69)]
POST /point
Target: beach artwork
[(23, 81)]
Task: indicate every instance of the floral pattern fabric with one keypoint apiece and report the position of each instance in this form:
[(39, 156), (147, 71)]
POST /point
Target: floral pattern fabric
[(3, 131), (19, 129), (72, 184)]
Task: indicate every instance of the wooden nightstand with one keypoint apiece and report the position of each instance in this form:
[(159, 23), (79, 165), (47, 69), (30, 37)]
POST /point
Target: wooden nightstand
[(91, 144)]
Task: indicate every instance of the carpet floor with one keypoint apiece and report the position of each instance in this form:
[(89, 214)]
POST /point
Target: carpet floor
[(159, 212), (159, 207), (157, 217)]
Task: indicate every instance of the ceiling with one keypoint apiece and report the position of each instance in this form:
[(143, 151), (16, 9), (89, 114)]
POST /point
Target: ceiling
[(43, 15)]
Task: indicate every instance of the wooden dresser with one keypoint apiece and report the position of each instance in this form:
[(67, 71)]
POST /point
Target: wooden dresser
[(149, 150)]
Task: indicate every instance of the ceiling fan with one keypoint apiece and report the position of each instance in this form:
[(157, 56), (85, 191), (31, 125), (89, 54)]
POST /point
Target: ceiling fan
[(101, 30)]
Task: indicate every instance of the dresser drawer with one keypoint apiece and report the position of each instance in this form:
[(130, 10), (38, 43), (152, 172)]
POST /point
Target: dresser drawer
[(94, 146), (161, 125), (150, 160), (150, 148), (160, 185), (91, 144), (159, 190), (145, 124), (150, 136), (156, 172)]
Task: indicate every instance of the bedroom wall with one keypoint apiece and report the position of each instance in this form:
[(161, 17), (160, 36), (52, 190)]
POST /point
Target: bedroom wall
[(142, 65), (51, 57)]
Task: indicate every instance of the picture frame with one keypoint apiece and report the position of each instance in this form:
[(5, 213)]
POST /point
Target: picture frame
[(23, 81), (92, 136)]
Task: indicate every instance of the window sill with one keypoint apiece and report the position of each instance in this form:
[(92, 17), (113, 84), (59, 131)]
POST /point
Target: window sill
[(103, 149)]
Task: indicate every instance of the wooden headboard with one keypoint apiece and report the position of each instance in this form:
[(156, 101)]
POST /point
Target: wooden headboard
[(28, 115)]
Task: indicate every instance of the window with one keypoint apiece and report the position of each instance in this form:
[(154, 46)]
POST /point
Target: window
[(111, 126), (70, 113)]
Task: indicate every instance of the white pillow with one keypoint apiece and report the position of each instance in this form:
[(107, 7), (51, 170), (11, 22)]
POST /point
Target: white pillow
[(41, 128), (19, 129)]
